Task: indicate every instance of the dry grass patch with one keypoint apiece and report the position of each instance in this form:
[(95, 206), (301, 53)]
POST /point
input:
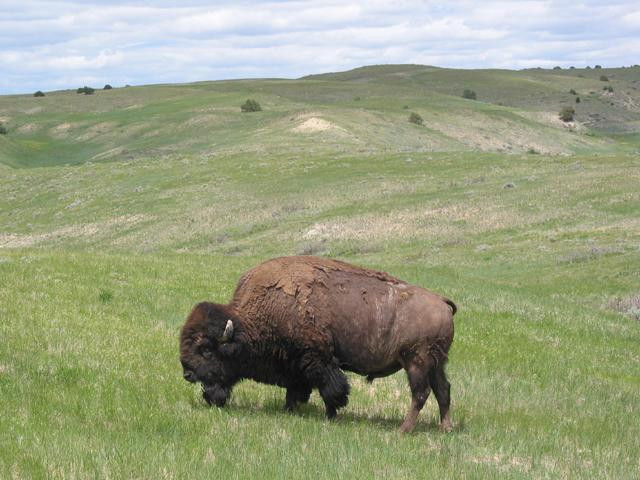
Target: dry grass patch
[(489, 133), (62, 130), (97, 130), (85, 230)]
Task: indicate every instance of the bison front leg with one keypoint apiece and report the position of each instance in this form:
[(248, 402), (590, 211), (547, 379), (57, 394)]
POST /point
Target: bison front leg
[(296, 394), (330, 381)]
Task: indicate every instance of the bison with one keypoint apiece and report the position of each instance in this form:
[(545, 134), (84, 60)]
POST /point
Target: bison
[(299, 322)]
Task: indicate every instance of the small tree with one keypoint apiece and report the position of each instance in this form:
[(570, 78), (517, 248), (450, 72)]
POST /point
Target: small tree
[(250, 106), (39, 93), (604, 78), (86, 90), (566, 114), (608, 88), (557, 68), (107, 87), (415, 118), (577, 99), (598, 66), (572, 92), (3, 129), (469, 94)]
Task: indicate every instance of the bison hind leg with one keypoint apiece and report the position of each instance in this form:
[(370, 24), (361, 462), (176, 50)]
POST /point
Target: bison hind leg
[(418, 372), (442, 390)]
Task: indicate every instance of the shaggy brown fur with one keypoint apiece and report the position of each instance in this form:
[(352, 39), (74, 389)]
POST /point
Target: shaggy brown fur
[(298, 322)]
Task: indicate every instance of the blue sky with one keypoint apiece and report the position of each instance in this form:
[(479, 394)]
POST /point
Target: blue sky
[(47, 45)]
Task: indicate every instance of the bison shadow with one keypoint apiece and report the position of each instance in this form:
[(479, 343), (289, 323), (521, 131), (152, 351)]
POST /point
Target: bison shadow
[(316, 413)]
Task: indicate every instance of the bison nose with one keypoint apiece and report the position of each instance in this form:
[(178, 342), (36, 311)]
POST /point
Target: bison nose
[(189, 376)]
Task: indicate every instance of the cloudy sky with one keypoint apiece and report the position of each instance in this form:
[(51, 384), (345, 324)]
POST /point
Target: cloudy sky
[(57, 44)]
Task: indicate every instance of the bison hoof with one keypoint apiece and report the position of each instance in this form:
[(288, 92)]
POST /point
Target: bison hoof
[(331, 413), (445, 427), (406, 428)]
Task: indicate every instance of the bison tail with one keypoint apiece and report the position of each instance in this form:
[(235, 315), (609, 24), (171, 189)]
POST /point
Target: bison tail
[(453, 306)]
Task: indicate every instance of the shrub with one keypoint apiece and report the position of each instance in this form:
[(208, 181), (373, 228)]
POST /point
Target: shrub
[(107, 87), (406, 107), (557, 68), (572, 92), (250, 106), (572, 67), (566, 114), (587, 67), (469, 94), (604, 78), (86, 90), (39, 93), (597, 66), (608, 88), (577, 99), (415, 118), (3, 129), (533, 151)]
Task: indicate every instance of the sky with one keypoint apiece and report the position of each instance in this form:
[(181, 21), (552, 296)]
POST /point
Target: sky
[(51, 45)]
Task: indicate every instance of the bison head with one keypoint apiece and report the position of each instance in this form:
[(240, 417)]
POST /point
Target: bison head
[(208, 328)]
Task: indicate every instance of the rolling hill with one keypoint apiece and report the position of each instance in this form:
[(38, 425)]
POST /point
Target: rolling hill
[(146, 200), (363, 110)]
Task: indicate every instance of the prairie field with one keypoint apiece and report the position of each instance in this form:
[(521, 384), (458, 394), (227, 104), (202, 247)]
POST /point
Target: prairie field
[(120, 211)]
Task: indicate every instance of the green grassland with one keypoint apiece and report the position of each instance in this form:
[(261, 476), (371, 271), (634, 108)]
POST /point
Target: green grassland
[(149, 199)]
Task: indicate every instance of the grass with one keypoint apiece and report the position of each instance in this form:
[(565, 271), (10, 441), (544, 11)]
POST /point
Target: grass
[(101, 261)]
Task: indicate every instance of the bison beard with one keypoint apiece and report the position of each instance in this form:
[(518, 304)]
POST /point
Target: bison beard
[(298, 322)]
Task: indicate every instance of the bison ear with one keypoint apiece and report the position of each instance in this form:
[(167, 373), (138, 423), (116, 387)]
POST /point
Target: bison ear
[(227, 335)]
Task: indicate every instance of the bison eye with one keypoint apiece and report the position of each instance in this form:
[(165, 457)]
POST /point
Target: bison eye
[(206, 352)]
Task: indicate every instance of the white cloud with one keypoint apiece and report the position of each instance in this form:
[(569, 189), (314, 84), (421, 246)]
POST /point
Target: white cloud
[(53, 44)]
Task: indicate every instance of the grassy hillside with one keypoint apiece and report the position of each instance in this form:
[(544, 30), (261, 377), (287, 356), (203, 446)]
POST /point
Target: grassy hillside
[(100, 261), (363, 110)]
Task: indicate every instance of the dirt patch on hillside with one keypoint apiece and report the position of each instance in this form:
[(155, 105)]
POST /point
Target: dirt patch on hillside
[(86, 230), (552, 119), (62, 130), (28, 128), (317, 124)]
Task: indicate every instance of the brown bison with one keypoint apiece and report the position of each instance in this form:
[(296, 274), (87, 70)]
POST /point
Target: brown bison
[(298, 322)]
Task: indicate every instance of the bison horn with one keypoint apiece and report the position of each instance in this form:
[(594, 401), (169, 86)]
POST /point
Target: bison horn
[(228, 332)]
